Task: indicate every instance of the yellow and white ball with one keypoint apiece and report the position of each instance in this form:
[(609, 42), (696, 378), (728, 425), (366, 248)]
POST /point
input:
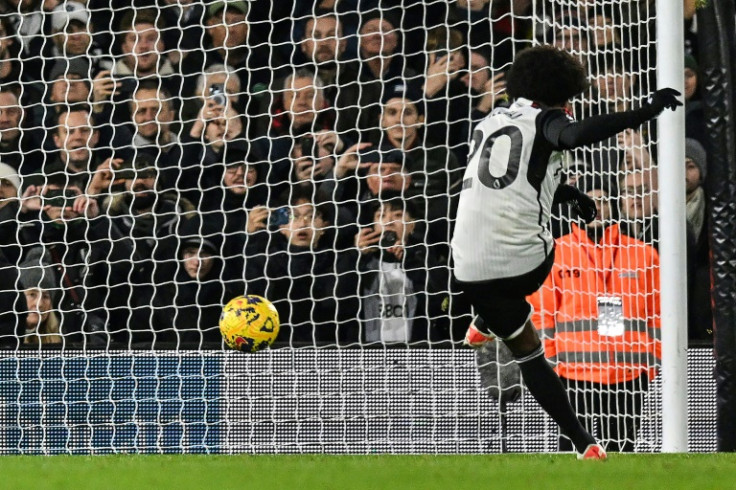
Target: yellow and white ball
[(249, 323)]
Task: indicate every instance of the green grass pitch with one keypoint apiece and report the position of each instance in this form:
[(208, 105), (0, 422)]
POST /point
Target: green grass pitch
[(306, 472)]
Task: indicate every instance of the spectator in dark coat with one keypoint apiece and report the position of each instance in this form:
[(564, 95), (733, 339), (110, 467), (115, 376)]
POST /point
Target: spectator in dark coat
[(190, 292), (19, 147), (323, 46), (92, 260), (38, 282), (694, 115), (240, 190), (71, 33), (76, 138), (142, 60), (359, 100), (14, 216), (228, 42), (142, 211), (13, 316), (300, 113), (700, 314), (289, 264)]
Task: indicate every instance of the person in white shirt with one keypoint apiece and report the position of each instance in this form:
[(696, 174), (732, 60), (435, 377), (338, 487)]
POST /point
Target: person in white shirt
[(502, 246)]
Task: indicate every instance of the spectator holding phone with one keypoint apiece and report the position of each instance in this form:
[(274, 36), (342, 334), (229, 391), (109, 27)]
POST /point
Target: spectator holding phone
[(291, 261), (215, 79), (446, 96), (399, 280), (299, 123), (217, 128)]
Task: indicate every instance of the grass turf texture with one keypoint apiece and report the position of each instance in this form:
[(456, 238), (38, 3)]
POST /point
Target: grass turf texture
[(305, 472)]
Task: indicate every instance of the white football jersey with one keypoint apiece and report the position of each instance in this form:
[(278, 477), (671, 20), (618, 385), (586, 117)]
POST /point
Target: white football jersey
[(502, 228)]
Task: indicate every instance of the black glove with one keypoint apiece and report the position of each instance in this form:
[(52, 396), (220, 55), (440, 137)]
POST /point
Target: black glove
[(580, 202), (665, 98)]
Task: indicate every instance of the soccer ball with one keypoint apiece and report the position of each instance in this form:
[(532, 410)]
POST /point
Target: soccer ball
[(249, 323)]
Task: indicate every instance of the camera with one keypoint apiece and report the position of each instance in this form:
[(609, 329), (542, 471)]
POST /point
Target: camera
[(309, 146), (278, 217), (59, 198), (389, 239), (217, 94), (125, 87)]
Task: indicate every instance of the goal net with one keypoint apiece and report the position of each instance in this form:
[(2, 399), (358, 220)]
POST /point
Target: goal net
[(160, 159)]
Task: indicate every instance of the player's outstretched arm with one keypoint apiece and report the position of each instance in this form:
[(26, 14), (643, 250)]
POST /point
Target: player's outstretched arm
[(566, 134)]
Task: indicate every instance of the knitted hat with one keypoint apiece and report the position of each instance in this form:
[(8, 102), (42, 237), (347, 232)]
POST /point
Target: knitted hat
[(67, 12), (695, 152), (36, 272), (10, 174), (72, 66), (404, 90), (691, 62)]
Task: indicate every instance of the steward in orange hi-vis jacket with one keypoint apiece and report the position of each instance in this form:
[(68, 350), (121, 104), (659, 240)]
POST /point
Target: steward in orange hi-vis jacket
[(599, 315), (598, 310)]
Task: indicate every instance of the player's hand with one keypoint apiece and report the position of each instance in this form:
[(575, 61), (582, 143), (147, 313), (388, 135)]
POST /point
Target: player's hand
[(585, 207), (665, 98), (580, 202)]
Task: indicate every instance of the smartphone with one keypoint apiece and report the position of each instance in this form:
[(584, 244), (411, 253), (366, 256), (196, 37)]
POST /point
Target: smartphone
[(217, 94), (309, 147), (278, 217), (389, 239)]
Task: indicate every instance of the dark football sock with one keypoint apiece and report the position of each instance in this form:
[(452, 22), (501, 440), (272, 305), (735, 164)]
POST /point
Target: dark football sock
[(547, 389)]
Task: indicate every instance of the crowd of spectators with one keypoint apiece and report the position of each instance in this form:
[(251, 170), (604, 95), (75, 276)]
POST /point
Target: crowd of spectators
[(159, 158)]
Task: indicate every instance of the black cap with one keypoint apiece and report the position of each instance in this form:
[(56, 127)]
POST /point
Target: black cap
[(405, 90)]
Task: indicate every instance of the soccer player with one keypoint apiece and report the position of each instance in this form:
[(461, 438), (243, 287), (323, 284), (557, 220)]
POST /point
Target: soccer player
[(502, 245)]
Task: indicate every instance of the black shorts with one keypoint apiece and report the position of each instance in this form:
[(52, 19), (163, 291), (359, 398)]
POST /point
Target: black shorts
[(501, 303)]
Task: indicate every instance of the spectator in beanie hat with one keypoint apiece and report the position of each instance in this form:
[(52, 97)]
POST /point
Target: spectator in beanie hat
[(700, 315), (40, 288)]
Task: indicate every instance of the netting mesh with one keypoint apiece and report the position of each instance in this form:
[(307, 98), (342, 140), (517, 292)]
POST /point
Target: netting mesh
[(160, 158)]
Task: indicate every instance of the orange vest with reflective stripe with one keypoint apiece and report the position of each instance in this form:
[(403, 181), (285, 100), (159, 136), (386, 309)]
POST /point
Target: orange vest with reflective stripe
[(566, 307)]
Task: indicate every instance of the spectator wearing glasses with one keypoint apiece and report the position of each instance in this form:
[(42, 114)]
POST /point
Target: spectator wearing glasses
[(291, 261)]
